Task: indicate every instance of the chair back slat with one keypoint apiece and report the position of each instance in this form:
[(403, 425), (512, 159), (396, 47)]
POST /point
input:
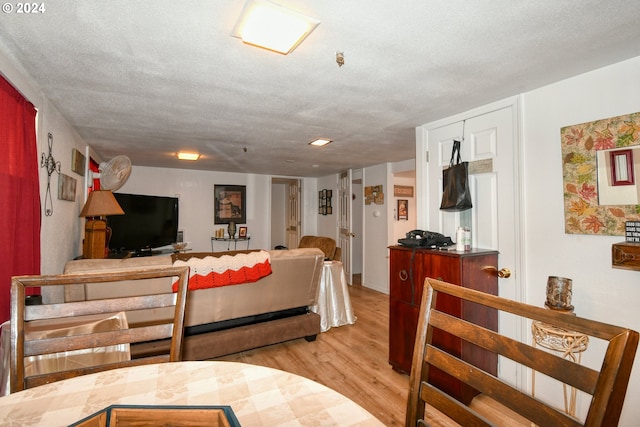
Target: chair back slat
[(572, 374), (96, 340), (454, 409), (86, 308), (607, 387), (59, 338), (527, 406)]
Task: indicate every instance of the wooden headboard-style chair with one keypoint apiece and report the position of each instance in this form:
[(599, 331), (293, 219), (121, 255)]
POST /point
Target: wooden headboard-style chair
[(607, 386), (51, 342)]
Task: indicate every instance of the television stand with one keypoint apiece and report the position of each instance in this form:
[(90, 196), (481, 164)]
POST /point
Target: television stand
[(141, 253), (119, 255)]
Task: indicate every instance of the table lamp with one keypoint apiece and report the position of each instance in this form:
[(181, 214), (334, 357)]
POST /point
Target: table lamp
[(100, 204)]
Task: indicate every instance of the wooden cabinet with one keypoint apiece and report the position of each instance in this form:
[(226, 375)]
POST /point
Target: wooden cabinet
[(475, 269)]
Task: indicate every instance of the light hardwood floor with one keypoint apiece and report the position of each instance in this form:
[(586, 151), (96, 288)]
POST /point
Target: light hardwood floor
[(352, 359)]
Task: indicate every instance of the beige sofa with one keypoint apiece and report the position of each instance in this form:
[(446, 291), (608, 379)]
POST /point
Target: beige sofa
[(228, 319)]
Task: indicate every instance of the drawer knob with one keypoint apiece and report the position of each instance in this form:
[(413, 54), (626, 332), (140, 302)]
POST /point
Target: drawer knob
[(403, 275)]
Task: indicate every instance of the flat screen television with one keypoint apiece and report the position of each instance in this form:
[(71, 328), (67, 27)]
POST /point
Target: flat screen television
[(149, 222)]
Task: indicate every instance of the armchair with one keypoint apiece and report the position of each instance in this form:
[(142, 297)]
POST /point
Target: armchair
[(325, 244)]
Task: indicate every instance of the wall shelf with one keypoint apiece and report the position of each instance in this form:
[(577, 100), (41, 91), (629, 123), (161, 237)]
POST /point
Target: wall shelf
[(626, 255), (229, 241)]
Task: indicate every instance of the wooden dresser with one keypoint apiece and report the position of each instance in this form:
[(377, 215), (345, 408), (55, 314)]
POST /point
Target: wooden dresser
[(475, 269)]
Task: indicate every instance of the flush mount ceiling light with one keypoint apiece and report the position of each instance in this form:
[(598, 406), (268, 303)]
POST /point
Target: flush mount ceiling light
[(271, 26), (188, 156), (320, 142)]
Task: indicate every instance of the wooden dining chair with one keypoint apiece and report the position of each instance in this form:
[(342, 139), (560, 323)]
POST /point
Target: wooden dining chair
[(33, 335), (607, 386)]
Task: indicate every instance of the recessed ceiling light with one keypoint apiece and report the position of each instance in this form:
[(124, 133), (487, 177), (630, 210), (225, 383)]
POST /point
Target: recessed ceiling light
[(188, 156), (271, 26), (320, 142)]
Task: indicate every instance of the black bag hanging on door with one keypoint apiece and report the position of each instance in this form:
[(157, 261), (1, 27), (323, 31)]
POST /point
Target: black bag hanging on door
[(455, 183)]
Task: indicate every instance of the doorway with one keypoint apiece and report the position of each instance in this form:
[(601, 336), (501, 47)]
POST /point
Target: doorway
[(285, 212)]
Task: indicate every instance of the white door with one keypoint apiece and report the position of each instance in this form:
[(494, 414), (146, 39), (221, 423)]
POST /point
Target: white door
[(293, 213), (489, 144), (344, 225)]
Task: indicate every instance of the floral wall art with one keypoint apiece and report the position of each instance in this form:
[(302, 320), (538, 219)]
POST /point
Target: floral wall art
[(580, 143)]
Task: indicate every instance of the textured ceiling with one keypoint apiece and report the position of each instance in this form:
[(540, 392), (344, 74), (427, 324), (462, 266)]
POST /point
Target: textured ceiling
[(150, 78)]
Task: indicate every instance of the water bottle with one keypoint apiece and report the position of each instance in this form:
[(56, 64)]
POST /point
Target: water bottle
[(460, 239), (467, 239)]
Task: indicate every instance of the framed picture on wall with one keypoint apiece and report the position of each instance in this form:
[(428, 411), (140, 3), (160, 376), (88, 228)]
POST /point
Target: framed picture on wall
[(78, 162), (66, 187), (403, 209), (230, 204)]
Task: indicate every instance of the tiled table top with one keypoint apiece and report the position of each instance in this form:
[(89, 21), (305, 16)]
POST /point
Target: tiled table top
[(259, 396)]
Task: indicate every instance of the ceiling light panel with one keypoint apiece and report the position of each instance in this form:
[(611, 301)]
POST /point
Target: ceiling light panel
[(188, 156), (274, 27), (320, 142)]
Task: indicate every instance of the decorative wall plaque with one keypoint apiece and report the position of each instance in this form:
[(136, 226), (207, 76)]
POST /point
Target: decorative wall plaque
[(580, 143)]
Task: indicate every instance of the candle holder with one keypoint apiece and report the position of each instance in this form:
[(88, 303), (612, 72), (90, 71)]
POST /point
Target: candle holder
[(559, 292)]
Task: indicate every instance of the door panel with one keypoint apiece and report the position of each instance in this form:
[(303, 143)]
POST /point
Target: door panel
[(488, 140), (293, 213), (345, 235)]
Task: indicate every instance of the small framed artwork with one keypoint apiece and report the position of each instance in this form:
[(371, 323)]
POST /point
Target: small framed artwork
[(622, 167), (242, 232), (77, 162), (403, 209), (402, 191), (324, 202), (230, 204), (66, 187)]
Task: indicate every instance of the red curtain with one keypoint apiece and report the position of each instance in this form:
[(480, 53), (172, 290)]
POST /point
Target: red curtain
[(19, 192), (94, 167)]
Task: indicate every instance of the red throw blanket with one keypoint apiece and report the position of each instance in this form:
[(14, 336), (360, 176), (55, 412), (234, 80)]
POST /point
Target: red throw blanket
[(213, 272)]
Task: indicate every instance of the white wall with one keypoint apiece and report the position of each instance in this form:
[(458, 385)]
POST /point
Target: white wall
[(377, 236), (599, 291), (279, 201), (195, 191), (401, 227), (328, 224), (309, 216)]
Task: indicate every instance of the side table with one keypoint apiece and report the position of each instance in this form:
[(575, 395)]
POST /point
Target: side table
[(568, 344), (334, 302)]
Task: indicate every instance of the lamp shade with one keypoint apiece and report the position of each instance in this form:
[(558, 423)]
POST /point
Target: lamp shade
[(101, 203)]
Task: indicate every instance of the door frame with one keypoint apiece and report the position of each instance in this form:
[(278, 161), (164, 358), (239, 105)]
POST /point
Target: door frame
[(422, 203), (288, 182)]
